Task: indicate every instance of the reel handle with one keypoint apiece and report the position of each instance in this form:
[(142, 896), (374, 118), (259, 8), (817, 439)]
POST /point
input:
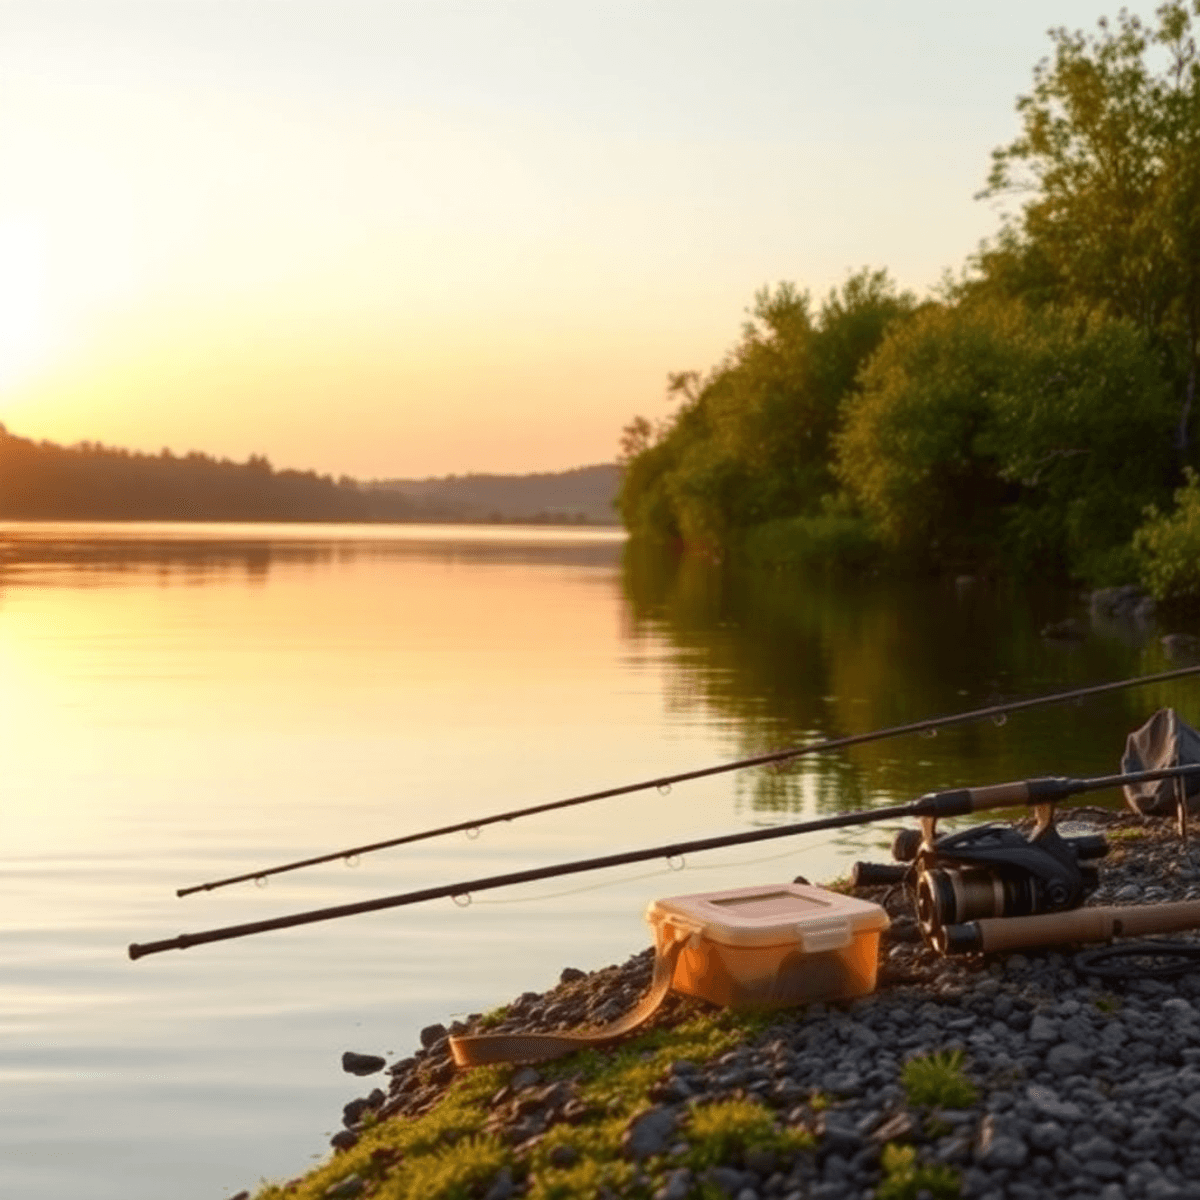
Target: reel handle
[(1099, 924), (864, 875)]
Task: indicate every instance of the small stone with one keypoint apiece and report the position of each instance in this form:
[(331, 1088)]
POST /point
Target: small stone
[(1043, 1029), (1047, 1135), (1068, 1058), (362, 1064), (843, 1083), (997, 1149), (1047, 1102), (761, 1160), (648, 1134), (344, 1139), (1163, 1189), (678, 1186), (1191, 1106), (571, 975), (525, 1077), (502, 1186), (432, 1034), (344, 1188), (726, 1179), (354, 1110), (563, 1156)]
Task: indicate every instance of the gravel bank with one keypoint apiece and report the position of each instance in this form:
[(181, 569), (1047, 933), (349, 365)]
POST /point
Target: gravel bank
[(1084, 1089)]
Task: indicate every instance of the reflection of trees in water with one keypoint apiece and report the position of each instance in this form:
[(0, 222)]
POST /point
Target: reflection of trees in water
[(79, 557), (789, 660)]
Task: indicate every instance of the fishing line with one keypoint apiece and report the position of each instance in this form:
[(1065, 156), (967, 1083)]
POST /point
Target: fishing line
[(926, 728), (662, 871)]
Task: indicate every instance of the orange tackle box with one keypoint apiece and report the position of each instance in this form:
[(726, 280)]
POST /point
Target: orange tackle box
[(770, 946)]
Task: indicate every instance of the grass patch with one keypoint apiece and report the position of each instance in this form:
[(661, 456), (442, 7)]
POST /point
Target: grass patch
[(905, 1179), (937, 1080), (1125, 833), (723, 1131), (446, 1155), (490, 1020), (438, 1156)]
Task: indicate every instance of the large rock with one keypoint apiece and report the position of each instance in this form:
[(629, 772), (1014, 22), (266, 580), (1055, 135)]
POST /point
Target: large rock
[(362, 1064)]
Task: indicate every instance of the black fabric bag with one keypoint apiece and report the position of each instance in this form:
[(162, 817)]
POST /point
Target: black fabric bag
[(1164, 741)]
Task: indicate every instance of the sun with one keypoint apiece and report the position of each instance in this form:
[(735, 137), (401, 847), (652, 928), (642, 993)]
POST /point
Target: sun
[(26, 329)]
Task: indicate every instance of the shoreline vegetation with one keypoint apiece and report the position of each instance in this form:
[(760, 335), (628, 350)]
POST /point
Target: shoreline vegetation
[(91, 482), (1034, 418)]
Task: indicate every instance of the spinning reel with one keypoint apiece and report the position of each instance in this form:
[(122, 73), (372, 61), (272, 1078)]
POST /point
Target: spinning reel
[(987, 871)]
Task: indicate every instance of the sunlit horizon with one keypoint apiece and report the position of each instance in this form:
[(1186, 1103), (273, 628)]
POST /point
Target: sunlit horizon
[(412, 240)]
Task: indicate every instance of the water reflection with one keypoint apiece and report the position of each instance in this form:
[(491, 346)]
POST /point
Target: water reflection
[(78, 554), (787, 660)]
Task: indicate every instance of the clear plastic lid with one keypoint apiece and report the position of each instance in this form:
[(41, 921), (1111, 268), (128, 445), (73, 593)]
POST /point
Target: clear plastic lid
[(771, 914)]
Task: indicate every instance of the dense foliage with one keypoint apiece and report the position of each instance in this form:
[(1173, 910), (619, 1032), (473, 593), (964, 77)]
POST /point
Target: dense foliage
[(1026, 420), (752, 441), (1169, 545)]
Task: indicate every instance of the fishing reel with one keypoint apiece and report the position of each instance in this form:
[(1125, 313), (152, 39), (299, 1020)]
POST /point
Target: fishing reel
[(987, 871)]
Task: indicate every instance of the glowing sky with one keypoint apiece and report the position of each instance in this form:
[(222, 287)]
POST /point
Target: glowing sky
[(425, 236)]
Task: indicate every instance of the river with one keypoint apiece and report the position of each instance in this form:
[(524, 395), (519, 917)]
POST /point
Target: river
[(184, 702)]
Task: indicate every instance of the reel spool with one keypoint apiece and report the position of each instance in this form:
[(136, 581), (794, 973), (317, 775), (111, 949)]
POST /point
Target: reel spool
[(988, 871)]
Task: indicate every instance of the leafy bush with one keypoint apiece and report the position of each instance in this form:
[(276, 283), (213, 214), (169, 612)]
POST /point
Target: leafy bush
[(830, 539), (1168, 545), (987, 430)]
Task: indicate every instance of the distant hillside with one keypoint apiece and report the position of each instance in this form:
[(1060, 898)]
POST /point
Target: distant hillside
[(585, 494)]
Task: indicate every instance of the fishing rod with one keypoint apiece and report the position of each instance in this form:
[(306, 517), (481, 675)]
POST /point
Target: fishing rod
[(931, 807), (758, 760)]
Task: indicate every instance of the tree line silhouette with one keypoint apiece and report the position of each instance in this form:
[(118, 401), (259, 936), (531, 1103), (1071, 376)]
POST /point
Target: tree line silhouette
[(46, 481)]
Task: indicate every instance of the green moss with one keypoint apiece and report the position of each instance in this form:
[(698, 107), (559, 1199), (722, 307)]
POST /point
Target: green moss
[(937, 1080), (724, 1131), (1127, 833), (421, 1157), (445, 1154), (491, 1019), (904, 1179)]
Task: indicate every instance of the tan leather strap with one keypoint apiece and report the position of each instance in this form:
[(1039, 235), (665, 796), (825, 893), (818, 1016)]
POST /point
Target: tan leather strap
[(478, 1049)]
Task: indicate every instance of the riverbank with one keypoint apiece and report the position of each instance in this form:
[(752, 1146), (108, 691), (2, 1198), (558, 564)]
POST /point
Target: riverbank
[(1013, 1076)]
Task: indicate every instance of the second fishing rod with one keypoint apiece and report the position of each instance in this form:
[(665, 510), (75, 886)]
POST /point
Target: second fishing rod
[(1041, 794), (928, 725)]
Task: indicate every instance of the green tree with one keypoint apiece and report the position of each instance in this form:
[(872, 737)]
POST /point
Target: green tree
[(1110, 152), (751, 442)]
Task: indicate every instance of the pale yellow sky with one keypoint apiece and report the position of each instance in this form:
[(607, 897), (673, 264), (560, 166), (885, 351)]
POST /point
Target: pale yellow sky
[(411, 238)]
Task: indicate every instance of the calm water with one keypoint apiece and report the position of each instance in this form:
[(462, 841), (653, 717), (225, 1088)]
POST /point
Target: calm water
[(179, 703)]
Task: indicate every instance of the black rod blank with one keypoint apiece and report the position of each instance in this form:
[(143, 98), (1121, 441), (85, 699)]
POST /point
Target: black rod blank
[(957, 802), (758, 760)]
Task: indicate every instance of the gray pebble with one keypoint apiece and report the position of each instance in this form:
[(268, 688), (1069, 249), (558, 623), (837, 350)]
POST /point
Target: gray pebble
[(678, 1186), (649, 1133)]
